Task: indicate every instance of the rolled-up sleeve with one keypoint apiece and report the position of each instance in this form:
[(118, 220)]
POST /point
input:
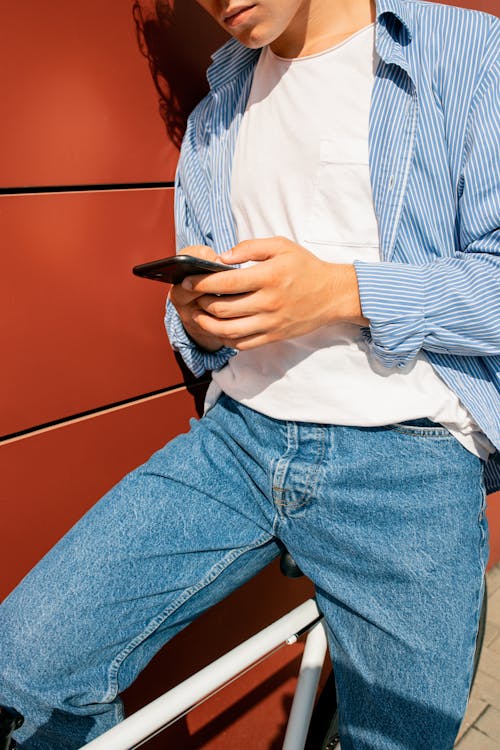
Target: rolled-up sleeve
[(188, 232), (450, 305)]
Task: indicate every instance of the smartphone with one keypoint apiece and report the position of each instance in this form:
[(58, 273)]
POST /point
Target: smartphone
[(174, 269)]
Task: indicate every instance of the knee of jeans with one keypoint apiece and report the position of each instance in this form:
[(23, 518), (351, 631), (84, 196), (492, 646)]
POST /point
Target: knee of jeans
[(25, 661), (32, 658)]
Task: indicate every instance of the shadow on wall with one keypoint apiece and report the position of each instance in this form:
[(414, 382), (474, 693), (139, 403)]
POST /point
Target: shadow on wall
[(177, 37)]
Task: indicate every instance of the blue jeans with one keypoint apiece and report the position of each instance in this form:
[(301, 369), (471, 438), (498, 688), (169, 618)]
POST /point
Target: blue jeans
[(388, 523)]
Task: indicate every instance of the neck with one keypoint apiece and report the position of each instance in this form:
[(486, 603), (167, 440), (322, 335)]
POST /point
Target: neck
[(321, 24)]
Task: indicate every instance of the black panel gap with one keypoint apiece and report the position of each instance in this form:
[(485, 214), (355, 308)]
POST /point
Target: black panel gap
[(100, 409), (34, 190)]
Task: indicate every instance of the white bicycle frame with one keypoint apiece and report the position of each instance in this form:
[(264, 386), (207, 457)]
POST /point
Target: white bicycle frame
[(160, 713)]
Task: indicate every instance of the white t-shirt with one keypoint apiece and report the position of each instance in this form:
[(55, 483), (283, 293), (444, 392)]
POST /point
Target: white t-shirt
[(300, 170)]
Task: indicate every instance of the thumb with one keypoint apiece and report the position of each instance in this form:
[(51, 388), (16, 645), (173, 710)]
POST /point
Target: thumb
[(261, 249), (200, 251)]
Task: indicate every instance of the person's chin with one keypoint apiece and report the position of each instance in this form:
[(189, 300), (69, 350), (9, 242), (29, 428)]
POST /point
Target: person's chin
[(253, 38), (252, 43)]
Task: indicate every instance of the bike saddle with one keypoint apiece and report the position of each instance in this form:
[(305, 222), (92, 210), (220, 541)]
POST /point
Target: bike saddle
[(10, 720), (288, 566)]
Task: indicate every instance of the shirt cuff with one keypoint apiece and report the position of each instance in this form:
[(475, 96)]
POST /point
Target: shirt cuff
[(392, 298)]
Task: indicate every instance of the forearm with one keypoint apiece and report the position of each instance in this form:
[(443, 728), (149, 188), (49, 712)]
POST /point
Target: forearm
[(346, 302), (447, 306)]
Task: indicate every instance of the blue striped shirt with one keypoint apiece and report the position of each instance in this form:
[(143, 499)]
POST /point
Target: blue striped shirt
[(434, 147)]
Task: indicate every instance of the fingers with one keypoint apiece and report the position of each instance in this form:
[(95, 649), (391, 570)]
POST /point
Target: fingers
[(200, 251), (231, 330), (239, 281), (250, 342), (243, 279), (272, 257), (241, 334), (233, 306), (181, 297), (261, 249)]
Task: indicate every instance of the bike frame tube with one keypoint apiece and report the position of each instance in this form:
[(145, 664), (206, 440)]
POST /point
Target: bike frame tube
[(149, 720), (305, 692)]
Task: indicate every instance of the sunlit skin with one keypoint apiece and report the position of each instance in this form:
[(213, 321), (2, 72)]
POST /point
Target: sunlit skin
[(293, 28), (288, 292)]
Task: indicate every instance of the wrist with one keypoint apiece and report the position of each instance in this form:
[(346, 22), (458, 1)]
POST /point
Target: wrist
[(346, 302), (205, 341)]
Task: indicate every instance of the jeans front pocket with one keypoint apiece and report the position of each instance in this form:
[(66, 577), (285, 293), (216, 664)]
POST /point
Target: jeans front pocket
[(421, 428), (342, 210)]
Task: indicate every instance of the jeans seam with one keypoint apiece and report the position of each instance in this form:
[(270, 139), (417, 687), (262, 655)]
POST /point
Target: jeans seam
[(160, 618), (282, 464), (281, 467), (424, 432), (481, 592), (482, 523)]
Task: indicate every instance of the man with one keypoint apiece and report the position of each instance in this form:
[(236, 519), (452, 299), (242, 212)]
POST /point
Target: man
[(354, 402)]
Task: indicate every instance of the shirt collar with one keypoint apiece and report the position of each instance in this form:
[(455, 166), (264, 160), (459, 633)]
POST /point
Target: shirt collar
[(228, 61), (394, 32), (393, 35)]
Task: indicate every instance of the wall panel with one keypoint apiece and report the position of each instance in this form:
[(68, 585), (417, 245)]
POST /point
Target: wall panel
[(493, 516), (78, 103), (79, 331), (487, 6), (79, 106)]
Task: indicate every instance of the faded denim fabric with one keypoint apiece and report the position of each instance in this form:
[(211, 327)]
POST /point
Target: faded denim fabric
[(388, 523)]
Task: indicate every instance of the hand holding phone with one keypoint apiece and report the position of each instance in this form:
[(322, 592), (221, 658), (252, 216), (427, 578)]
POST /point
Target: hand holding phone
[(173, 270)]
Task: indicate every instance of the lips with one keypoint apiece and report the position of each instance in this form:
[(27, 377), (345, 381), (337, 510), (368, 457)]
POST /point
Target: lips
[(235, 14)]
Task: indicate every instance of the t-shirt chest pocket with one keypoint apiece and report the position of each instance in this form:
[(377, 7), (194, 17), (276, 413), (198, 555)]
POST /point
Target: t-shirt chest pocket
[(341, 211)]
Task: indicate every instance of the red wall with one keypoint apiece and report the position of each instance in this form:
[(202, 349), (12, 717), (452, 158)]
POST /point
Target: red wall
[(90, 387)]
